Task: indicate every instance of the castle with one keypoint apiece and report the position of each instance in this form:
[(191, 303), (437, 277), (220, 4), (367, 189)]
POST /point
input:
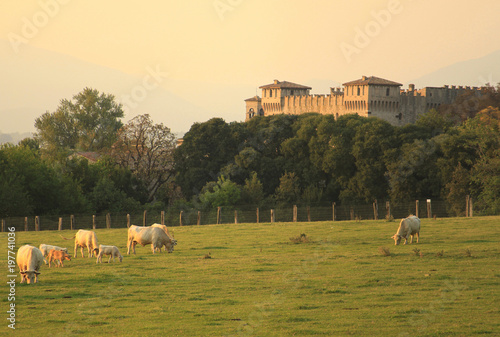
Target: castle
[(368, 96)]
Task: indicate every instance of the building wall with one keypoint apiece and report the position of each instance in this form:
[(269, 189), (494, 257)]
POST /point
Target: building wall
[(390, 103)]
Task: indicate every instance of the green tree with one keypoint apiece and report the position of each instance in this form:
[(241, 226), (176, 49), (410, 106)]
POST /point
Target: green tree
[(373, 139), (223, 193), (253, 191), (89, 122), (206, 149), (288, 191)]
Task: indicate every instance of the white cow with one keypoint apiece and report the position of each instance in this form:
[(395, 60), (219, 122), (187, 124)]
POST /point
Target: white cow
[(112, 251), (45, 249), (154, 236), (29, 261), (85, 239), (165, 229), (409, 226)]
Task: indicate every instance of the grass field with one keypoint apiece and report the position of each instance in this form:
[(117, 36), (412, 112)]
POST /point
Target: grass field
[(337, 281)]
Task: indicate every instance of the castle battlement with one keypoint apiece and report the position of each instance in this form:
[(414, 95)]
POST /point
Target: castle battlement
[(368, 96)]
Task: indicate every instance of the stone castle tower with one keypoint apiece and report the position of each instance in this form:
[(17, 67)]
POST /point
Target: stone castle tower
[(367, 96)]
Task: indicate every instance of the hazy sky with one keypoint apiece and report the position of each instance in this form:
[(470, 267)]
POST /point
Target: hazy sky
[(252, 42)]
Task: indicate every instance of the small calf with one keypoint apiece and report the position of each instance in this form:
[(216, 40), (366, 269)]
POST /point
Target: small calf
[(112, 251), (45, 249), (58, 255)]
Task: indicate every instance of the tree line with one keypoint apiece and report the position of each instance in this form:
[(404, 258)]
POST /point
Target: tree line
[(268, 161)]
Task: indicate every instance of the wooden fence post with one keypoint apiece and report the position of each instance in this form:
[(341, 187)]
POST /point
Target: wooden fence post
[(162, 218), (352, 213), (37, 223), (273, 217), (375, 210), (219, 215), (257, 215), (198, 220), (144, 218), (333, 211), (71, 221), (3, 225), (60, 224), (108, 220), (235, 216), (388, 210), (93, 221), (180, 218), (128, 220), (471, 208), (309, 213), (416, 208), (26, 224), (429, 208), (294, 215)]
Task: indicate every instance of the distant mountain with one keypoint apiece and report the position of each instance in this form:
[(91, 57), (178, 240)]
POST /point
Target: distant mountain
[(13, 138), (475, 72), (35, 80)]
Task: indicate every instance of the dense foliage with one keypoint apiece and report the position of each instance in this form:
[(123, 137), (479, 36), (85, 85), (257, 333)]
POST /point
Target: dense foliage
[(272, 161), (314, 158)]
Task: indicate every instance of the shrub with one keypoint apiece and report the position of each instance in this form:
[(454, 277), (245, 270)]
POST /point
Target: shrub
[(384, 251), (302, 238)]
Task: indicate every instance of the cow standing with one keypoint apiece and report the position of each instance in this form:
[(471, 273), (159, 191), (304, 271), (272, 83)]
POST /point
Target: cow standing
[(29, 261), (59, 256), (170, 249), (409, 226), (45, 249), (154, 236), (112, 251), (85, 239)]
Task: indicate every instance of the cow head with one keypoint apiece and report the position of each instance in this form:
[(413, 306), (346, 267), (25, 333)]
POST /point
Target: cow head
[(397, 239), (29, 276), (66, 257)]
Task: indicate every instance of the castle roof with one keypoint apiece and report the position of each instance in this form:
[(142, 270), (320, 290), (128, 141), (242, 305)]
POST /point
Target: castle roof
[(284, 85), (253, 99), (372, 80)]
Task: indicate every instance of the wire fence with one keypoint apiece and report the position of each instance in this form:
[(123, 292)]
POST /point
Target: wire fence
[(242, 214)]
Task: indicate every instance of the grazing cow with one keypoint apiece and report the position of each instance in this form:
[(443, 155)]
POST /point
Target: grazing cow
[(85, 239), (29, 260), (409, 226), (58, 255), (112, 251), (148, 235), (46, 248), (165, 229)]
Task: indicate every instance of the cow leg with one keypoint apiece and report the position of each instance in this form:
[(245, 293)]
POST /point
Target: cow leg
[(418, 236), (81, 251), (76, 247)]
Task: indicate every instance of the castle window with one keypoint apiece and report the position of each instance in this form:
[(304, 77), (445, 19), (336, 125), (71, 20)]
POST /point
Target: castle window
[(359, 91), (271, 93), (387, 91), (291, 92)]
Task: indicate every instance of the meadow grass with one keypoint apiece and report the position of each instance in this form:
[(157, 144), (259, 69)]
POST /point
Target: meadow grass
[(258, 282)]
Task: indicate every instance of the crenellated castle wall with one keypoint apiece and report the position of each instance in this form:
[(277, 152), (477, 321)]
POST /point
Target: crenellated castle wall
[(388, 102)]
